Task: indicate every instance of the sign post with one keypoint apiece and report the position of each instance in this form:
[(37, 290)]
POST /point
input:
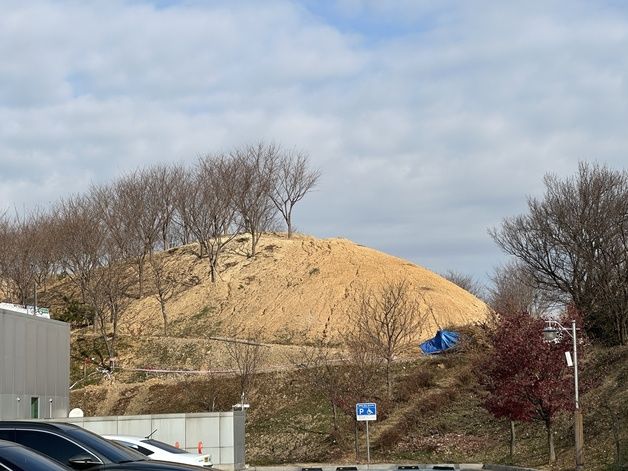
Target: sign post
[(366, 411)]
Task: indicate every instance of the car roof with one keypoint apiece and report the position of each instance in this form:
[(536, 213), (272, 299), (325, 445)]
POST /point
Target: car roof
[(37, 425), (4, 444)]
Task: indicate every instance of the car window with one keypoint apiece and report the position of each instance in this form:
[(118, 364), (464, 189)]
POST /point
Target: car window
[(110, 450), (7, 434), (164, 446), (136, 447), (17, 458), (50, 444)]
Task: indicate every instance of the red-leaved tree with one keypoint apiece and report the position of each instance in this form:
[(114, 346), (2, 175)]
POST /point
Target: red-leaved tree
[(525, 377)]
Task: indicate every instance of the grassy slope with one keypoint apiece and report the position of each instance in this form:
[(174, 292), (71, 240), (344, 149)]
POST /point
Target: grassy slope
[(436, 415)]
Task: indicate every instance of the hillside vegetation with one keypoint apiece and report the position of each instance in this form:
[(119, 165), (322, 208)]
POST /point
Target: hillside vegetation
[(292, 292), (436, 414)]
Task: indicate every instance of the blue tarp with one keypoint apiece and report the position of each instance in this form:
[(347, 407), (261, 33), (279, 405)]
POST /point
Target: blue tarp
[(444, 340)]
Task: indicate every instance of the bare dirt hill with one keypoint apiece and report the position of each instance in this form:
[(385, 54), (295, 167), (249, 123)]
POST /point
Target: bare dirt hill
[(290, 291)]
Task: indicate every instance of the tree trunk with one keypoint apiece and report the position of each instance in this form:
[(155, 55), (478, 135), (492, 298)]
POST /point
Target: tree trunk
[(550, 443), (388, 379), (512, 441), (114, 336), (109, 341), (212, 268), (289, 224), (140, 272), (162, 304), (254, 240), (164, 237)]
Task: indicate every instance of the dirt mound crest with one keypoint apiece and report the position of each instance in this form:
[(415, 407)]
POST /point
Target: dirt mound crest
[(291, 290)]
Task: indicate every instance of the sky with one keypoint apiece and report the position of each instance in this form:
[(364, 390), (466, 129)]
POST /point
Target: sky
[(430, 120)]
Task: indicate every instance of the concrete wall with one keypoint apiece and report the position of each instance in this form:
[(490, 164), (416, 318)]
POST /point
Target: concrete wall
[(222, 433), (34, 363)]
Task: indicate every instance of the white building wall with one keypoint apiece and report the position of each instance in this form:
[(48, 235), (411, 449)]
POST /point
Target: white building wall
[(34, 363)]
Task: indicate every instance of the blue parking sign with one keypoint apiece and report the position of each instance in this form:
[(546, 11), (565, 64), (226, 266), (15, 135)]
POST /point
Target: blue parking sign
[(366, 411)]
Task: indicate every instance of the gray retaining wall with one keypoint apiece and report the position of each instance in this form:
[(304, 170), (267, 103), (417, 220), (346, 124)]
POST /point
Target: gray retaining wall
[(221, 433)]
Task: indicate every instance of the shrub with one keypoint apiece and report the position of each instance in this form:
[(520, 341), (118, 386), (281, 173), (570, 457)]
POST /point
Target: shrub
[(418, 378)]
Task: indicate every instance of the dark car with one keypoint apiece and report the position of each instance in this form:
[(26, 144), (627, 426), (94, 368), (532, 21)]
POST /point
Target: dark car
[(79, 448), (15, 457)]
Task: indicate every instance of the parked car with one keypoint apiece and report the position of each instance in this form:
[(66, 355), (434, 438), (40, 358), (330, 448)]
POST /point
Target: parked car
[(157, 450), (15, 457), (81, 449)]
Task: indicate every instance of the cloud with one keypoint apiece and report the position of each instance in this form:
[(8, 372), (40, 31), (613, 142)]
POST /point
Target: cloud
[(430, 121)]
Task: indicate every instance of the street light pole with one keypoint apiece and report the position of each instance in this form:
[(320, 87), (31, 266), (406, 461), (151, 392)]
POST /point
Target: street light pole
[(578, 429), (550, 334)]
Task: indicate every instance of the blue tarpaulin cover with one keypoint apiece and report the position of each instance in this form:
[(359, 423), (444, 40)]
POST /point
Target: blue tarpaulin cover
[(444, 340)]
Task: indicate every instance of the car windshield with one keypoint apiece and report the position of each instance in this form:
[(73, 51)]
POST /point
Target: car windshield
[(164, 446), (110, 450)]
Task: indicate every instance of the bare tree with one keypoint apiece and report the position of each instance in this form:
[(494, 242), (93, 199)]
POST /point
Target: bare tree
[(361, 377), (206, 207), (219, 176), (44, 247), (574, 242), (321, 362), (248, 356), (181, 230), (4, 234), (94, 263), (108, 296), (132, 211), (513, 290), (387, 321), (255, 165), (16, 259), (466, 282), (164, 183), (292, 180), (27, 258), (80, 239), (165, 282)]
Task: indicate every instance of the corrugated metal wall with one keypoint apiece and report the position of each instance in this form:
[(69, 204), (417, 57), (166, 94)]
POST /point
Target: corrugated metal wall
[(34, 363)]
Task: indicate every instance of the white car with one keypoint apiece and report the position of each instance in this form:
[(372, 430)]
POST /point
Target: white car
[(156, 450)]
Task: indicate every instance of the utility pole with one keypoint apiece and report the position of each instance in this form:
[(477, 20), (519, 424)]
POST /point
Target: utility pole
[(551, 334), (578, 429)]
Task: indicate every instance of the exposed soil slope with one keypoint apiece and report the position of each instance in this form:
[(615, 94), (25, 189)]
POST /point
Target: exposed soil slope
[(290, 291)]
